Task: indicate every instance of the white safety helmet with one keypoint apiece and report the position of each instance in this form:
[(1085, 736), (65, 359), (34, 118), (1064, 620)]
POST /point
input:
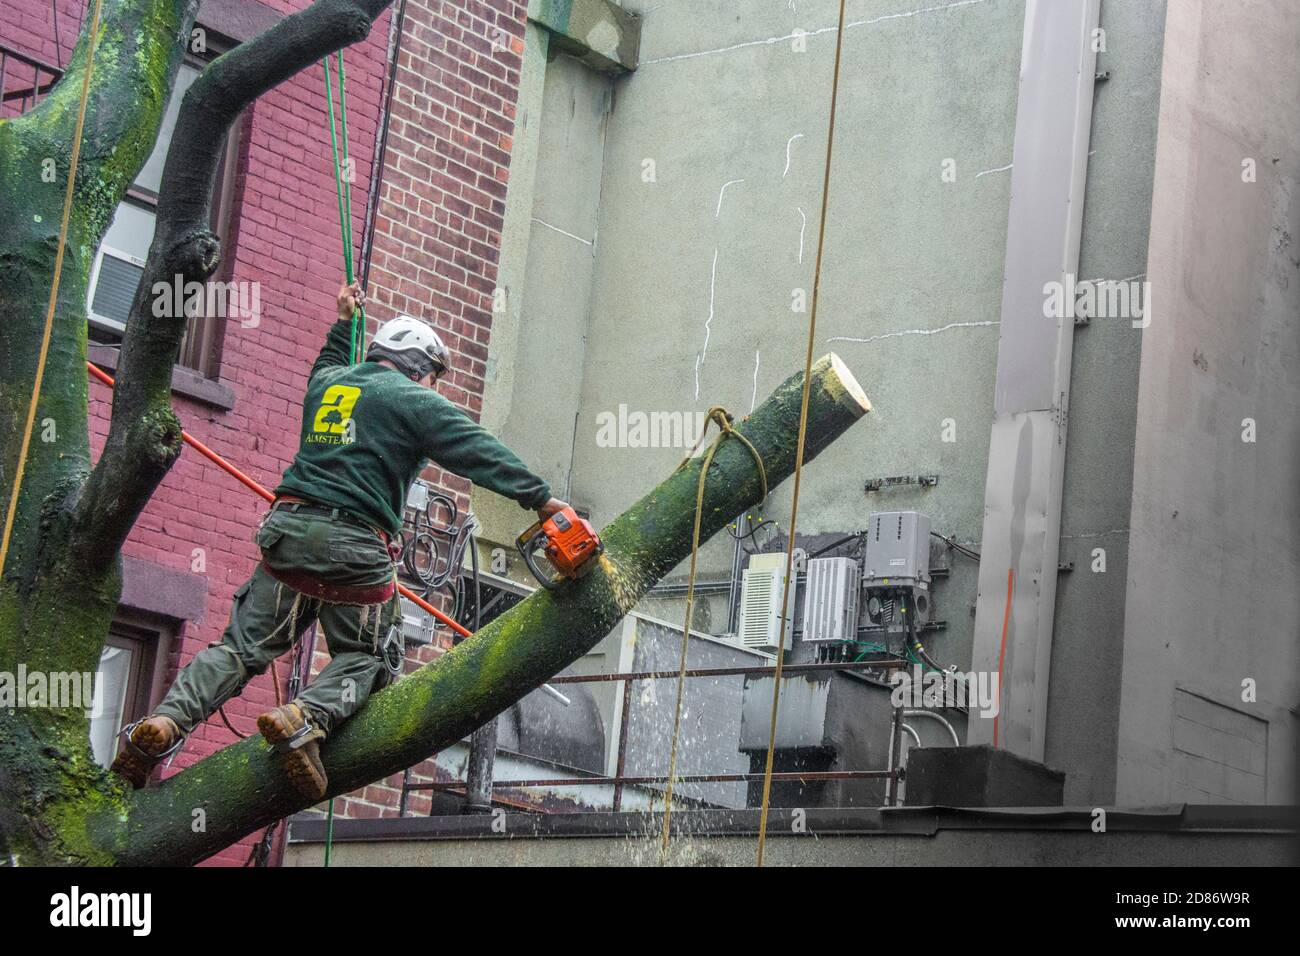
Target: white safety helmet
[(412, 345)]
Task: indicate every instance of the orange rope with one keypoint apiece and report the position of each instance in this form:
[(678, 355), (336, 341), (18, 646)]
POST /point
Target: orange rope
[(1002, 651)]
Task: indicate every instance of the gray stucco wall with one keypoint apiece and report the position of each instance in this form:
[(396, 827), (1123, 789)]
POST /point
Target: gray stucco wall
[(714, 150), (535, 372), (1214, 562), (690, 191)]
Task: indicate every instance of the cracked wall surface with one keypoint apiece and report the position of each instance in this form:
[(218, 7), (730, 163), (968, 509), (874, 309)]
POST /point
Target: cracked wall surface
[(674, 233)]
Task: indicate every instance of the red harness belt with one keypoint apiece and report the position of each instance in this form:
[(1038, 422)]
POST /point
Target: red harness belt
[(314, 587)]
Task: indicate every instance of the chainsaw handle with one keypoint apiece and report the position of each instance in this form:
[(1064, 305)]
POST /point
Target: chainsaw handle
[(527, 544)]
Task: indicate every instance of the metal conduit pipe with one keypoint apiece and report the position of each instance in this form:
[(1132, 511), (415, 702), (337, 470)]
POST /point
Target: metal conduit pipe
[(956, 741)]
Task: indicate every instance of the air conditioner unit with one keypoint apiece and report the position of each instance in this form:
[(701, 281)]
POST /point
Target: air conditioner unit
[(830, 602), (761, 590), (417, 625), (114, 279), (898, 550)]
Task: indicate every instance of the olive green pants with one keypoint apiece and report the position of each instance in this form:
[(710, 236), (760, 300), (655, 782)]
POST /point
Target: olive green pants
[(267, 617)]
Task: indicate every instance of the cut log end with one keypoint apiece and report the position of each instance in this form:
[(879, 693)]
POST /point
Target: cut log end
[(840, 378)]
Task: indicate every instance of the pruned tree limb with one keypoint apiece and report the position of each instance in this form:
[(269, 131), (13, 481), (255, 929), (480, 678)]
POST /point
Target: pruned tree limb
[(240, 789)]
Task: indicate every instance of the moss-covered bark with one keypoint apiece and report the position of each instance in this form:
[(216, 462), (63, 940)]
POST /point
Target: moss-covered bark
[(239, 789), (54, 610), (61, 578)]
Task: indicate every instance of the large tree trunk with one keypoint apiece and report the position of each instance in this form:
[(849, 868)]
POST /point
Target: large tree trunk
[(61, 580), (54, 609), (240, 789)]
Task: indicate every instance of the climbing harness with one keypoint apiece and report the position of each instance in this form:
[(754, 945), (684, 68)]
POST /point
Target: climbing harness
[(719, 416), (803, 433), (393, 651), (47, 332), (257, 489)]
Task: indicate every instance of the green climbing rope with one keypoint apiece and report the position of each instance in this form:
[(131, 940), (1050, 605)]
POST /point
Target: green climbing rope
[(344, 192)]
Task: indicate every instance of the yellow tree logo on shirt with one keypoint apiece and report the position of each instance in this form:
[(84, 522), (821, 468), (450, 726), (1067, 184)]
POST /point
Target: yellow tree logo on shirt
[(334, 417)]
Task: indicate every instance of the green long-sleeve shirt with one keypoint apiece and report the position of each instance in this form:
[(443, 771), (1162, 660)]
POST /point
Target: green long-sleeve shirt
[(367, 431)]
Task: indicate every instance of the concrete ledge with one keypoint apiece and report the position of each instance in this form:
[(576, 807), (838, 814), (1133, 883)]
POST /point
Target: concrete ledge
[(1177, 835), (601, 34), (148, 587), (238, 20), (185, 381)]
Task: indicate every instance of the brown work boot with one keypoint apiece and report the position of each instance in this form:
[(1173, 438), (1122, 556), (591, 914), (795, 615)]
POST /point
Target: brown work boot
[(296, 742), (145, 743)]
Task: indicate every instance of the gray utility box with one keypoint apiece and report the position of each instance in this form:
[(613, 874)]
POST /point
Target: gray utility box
[(830, 603), (898, 550)]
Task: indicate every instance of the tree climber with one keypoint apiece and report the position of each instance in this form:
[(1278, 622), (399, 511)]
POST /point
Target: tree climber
[(327, 545)]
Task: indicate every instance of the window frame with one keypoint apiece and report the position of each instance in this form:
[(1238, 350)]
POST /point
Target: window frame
[(150, 644), (201, 345)]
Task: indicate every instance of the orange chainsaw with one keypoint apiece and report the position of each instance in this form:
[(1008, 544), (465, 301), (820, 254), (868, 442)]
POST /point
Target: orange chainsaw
[(569, 543)]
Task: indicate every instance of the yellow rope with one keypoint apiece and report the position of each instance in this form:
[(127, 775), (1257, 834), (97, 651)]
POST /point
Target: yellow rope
[(803, 430), (54, 288), (718, 415)]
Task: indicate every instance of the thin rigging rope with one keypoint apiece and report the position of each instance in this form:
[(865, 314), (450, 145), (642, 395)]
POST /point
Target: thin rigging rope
[(803, 431), (719, 415), (54, 287)]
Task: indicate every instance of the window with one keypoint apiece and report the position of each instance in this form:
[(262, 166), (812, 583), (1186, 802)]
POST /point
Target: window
[(119, 264), (123, 687)]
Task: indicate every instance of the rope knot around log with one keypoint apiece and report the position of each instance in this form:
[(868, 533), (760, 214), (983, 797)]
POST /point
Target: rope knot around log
[(723, 419)]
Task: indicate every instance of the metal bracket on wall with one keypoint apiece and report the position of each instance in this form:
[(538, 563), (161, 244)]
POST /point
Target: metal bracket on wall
[(877, 484)]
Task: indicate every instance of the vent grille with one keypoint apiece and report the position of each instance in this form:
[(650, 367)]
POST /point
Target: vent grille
[(830, 609), (115, 288), (761, 590)]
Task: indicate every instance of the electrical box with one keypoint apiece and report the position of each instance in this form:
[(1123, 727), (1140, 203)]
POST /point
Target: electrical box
[(417, 496), (898, 550), (761, 591), (417, 624), (830, 600)]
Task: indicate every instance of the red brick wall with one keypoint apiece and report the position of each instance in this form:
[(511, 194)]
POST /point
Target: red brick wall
[(438, 232), (435, 256)]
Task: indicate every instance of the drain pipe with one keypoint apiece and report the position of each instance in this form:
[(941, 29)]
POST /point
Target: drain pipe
[(1020, 544), (380, 153), (956, 741), (483, 742), (737, 558)]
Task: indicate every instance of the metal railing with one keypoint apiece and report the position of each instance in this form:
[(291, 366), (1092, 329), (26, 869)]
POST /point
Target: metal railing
[(17, 65), (893, 773)]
